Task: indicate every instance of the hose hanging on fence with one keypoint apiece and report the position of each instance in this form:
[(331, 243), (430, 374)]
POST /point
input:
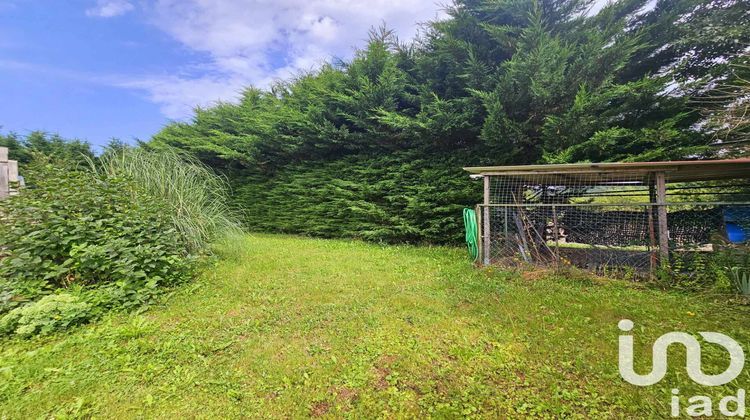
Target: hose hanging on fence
[(470, 223)]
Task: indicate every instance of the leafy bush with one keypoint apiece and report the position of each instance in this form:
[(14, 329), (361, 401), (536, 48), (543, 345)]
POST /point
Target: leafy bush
[(50, 313), (112, 235), (75, 228), (196, 198)]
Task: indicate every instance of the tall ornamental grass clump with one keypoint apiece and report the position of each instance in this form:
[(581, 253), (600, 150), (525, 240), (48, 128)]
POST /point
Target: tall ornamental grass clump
[(197, 198)]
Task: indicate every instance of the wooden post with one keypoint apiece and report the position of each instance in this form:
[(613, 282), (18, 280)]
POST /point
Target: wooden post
[(661, 208), (654, 257), (486, 222), (480, 238), (4, 181), (556, 233)]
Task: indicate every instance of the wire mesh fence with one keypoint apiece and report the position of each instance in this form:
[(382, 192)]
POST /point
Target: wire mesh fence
[(612, 224)]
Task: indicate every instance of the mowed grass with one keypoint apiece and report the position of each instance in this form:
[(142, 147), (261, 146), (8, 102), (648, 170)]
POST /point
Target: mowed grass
[(291, 327)]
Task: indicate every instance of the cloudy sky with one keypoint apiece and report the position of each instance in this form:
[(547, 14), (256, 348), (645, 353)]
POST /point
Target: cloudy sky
[(96, 69)]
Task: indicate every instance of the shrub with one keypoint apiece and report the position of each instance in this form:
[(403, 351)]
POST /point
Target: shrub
[(77, 228), (50, 313), (112, 235)]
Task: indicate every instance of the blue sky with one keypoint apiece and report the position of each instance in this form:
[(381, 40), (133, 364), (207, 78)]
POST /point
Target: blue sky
[(98, 69)]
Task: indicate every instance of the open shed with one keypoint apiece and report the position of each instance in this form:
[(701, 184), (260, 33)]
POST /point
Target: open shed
[(610, 217)]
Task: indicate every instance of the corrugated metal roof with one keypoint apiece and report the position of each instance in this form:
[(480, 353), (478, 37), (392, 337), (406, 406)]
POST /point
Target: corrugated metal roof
[(676, 171)]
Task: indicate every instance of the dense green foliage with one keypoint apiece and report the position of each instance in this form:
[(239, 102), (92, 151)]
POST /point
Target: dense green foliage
[(23, 148), (397, 197), (76, 230), (72, 227), (81, 240), (373, 147)]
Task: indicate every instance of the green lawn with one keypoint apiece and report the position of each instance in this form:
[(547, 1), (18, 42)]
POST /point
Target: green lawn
[(291, 327)]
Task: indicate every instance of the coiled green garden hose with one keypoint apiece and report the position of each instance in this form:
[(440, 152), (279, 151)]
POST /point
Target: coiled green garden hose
[(470, 223)]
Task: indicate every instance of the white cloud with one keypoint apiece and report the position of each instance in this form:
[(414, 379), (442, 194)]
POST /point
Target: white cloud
[(254, 42), (179, 96), (110, 8)]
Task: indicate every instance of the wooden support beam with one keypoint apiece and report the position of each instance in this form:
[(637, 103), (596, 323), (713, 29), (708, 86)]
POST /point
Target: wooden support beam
[(556, 233), (486, 245), (661, 209), (652, 230), (480, 238)]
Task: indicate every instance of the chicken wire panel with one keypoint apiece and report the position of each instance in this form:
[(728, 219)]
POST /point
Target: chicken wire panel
[(705, 216), (703, 225), (596, 238), (607, 223)]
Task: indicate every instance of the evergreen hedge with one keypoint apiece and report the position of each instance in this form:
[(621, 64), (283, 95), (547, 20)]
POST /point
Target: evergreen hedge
[(373, 147)]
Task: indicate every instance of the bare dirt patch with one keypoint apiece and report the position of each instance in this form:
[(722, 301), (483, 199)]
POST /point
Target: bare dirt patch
[(320, 409), (382, 370)]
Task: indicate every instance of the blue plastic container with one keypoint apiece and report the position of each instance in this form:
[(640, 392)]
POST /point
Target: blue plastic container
[(737, 221)]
